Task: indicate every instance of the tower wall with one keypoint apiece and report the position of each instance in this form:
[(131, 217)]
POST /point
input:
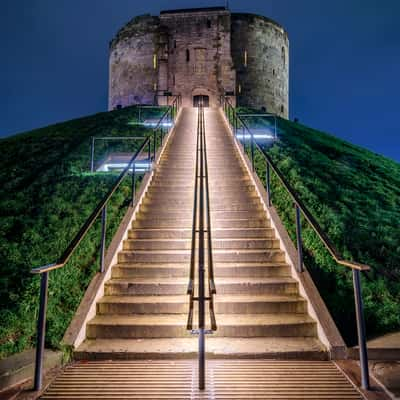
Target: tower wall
[(201, 52), (263, 79), (132, 73)]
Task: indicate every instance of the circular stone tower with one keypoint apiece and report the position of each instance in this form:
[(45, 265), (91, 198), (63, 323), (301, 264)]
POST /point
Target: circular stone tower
[(206, 52), (260, 52)]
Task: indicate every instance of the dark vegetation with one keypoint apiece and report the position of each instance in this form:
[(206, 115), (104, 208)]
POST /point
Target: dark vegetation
[(355, 196), (46, 194)]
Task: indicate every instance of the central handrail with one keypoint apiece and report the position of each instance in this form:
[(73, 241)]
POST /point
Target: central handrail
[(300, 207), (169, 115), (200, 229)]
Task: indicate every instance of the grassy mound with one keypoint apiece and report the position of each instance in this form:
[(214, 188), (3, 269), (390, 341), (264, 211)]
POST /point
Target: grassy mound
[(355, 196), (46, 195)]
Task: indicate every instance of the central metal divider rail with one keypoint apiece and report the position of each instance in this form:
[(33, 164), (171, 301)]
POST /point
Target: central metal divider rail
[(201, 249)]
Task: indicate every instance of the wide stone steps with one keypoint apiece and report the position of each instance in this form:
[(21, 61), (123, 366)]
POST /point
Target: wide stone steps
[(219, 255), (187, 222), (227, 270), (217, 348), (224, 304), (258, 308), (241, 379), (174, 325), (186, 244), (177, 286)]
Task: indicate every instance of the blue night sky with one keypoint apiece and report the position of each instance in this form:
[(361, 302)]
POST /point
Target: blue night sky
[(345, 61)]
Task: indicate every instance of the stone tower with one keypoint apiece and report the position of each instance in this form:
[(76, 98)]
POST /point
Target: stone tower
[(201, 53)]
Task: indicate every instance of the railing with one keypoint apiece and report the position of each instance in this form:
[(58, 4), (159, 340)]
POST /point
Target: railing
[(236, 123), (169, 116), (201, 227)]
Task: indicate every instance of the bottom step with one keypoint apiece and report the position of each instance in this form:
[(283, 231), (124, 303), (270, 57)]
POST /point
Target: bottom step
[(186, 348)]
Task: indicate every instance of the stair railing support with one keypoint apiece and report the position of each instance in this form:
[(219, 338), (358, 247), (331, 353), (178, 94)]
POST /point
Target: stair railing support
[(154, 143), (92, 156), (268, 184), (41, 332), (103, 237), (362, 345), (133, 183), (252, 152), (299, 240)]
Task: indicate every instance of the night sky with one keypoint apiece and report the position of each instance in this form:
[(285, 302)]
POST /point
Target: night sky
[(344, 77)]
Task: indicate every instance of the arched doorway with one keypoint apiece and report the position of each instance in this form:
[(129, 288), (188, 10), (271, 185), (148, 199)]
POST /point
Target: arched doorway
[(201, 98)]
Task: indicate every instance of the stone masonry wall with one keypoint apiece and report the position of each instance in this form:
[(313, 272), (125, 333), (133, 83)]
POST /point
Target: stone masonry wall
[(264, 81), (199, 56), (132, 73), (201, 52)]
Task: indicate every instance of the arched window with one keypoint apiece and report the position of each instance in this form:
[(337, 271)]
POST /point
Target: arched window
[(174, 44), (282, 109), (245, 58), (283, 55), (187, 55), (208, 23)]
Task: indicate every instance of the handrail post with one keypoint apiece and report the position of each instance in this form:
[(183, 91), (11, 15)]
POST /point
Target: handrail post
[(41, 331), (92, 156), (154, 144), (268, 184), (133, 182), (299, 241), (252, 151), (361, 330), (149, 151), (103, 237)]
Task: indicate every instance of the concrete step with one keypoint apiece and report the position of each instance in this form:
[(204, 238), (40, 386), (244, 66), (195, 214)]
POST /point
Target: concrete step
[(293, 348), (154, 212), (235, 214), (224, 304), (143, 305), (148, 270), (168, 181), (186, 244), (162, 223), (259, 304), (157, 233), (184, 256), (242, 233), (174, 325), (265, 325), (256, 286), (146, 286), (241, 223), (248, 256), (153, 256), (253, 270)]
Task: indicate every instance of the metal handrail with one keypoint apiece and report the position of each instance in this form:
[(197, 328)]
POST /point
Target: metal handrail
[(170, 115), (300, 207), (201, 226), (91, 219)]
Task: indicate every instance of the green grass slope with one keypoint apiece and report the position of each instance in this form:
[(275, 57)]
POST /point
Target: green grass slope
[(46, 194), (355, 196)]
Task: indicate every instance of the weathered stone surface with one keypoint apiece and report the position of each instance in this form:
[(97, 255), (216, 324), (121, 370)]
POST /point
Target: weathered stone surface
[(201, 52), (264, 78)]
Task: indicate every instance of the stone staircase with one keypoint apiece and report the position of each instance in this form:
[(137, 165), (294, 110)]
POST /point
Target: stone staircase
[(258, 308)]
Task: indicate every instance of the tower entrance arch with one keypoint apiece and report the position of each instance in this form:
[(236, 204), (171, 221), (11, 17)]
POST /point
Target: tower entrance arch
[(201, 99)]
